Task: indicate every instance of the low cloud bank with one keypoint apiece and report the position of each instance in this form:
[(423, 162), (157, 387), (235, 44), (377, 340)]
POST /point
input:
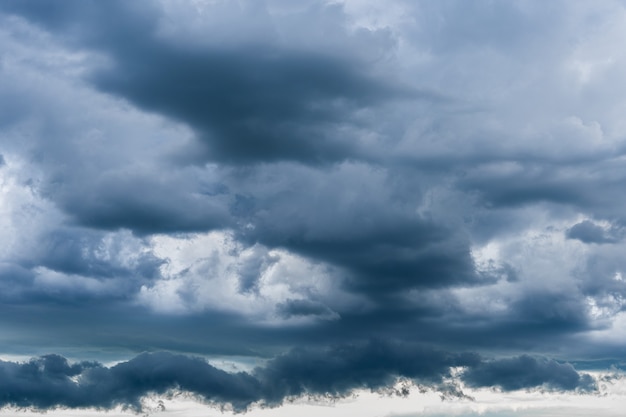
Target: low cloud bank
[(51, 381)]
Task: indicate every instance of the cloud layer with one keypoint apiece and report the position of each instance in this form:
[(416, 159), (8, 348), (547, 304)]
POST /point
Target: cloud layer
[(51, 381), (272, 179)]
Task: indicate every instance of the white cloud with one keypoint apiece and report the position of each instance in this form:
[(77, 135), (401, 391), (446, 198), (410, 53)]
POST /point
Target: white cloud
[(205, 272)]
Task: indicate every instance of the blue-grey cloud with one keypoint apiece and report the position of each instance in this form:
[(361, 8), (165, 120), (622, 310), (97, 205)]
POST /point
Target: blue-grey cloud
[(75, 266), (303, 308), (48, 382), (589, 232), (528, 372), (51, 381), (249, 102), (401, 179)]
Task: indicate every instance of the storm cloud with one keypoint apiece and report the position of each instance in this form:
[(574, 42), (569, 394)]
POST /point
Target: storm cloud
[(527, 372), (293, 183), (51, 381), (255, 101)]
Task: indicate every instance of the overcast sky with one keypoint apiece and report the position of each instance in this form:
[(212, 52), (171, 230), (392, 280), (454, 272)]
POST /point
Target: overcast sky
[(268, 204)]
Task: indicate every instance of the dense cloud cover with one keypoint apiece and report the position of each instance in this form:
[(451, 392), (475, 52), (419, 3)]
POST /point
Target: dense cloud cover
[(259, 177), (51, 381)]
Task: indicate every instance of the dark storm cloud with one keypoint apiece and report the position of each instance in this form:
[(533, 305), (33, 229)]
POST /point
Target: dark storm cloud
[(76, 252), (382, 255), (527, 372), (358, 218), (247, 103), (50, 381), (550, 312), (540, 321), (13, 279), (601, 278), (375, 364), (308, 147), (252, 104), (47, 382), (77, 266), (529, 184), (73, 17), (291, 100), (408, 255), (304, 307), (142, 205), (252, 267), (558, 186), (589, 232)]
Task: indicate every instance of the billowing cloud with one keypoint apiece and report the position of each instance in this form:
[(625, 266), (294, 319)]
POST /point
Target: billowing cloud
[(248, 101), (589, 232), (51, 381), (283, 181), (527, 372)]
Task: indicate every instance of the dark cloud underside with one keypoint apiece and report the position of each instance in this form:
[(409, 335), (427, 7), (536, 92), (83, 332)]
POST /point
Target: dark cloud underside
[(247, 103), (50, 381), (353, 194)]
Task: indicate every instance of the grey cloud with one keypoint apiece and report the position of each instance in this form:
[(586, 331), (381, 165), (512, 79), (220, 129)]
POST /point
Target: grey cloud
[(247, 103), (360, 219), (299, 140), (47, 382), (341, 369), (589, 232), (50, 381), (529, 185), (601, 278), (78, 266), (409, 255), (512, 22), (86, 253), (305, 308), (142, 205), (550, 316), (550, 312), (557, 187), (14, 278), (527, 372), (252, 265), (251, 102), (70, 19)]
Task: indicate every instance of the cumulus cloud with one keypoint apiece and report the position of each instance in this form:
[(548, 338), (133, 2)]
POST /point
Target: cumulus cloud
[(248, 101), (280, 175), (304, 308), (589, 232), (51, 381), (528, 372)]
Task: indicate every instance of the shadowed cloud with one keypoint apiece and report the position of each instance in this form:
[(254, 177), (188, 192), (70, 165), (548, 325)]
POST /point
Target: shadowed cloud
[(50, 381)]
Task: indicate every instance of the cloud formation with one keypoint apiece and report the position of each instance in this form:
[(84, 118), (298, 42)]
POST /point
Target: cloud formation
[(527, 372), (256, 178), (51, 381)]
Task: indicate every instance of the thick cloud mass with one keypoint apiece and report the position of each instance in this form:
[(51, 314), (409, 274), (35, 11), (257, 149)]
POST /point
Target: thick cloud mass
[(247, 103), (285, 181), (50, 381), (588, 232), (525, 372)]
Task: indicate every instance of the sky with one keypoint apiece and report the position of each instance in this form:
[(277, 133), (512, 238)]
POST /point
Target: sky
[(278, 207)]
